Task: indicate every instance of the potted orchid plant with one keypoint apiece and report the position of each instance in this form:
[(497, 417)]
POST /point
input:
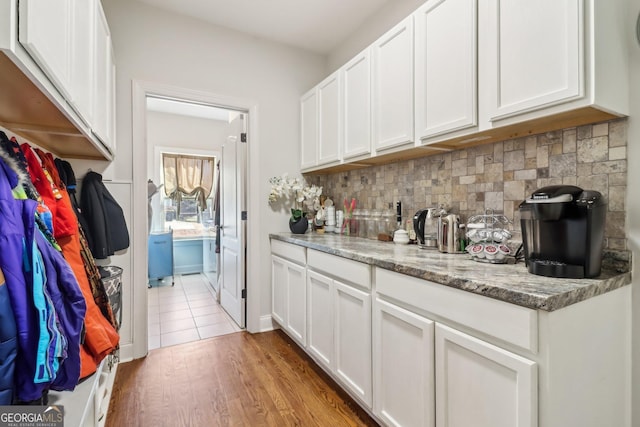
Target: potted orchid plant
[(299, 194)]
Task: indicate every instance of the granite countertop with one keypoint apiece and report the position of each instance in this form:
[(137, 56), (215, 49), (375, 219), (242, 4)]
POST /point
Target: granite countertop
[(506, 282)]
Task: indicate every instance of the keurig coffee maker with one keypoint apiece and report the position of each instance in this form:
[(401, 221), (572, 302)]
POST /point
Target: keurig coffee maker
[(563, 231)]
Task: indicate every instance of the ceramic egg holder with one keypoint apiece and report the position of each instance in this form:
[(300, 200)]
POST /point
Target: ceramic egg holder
[(488, 236)]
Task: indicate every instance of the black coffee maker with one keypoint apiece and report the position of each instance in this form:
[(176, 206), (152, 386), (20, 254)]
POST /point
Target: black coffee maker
[(563, 231)]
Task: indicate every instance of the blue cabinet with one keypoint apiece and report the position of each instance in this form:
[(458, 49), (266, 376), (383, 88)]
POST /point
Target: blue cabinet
[(188, 256)]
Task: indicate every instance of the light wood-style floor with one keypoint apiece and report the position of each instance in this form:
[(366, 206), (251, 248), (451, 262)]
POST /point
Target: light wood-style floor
[(239, 379)]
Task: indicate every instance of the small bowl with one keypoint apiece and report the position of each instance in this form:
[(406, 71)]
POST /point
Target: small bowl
[(401, 237)]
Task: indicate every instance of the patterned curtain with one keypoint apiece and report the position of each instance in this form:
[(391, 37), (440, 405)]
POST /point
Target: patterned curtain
[(188, 176)]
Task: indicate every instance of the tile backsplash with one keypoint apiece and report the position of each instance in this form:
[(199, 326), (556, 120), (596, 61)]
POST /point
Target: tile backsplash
[(499, 176)]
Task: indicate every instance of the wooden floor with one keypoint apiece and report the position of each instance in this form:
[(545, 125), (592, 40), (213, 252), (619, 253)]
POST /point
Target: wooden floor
[(239, 379)]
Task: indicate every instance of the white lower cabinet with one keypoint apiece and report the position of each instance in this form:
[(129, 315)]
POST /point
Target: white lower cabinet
[(403, 366), (340, 332), (352, 315), (320, 316), (289, 295), (339, 321), (417, 353), (481, 385)]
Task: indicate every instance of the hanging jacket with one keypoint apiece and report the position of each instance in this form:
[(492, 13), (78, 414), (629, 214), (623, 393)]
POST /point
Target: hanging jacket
[(11, 152), (64, 221), (107, 229), (8, 345), (12, 259), (69, 304), (67, 178), (101, 337)]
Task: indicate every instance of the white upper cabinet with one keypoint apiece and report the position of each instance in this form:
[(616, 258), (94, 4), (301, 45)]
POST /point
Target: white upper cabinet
[(534, 53), (392, 98), (104, 88), (456, 70), (330, 119), (309, 130), (357, 106), (83, 65), (445, 67), (64, 48), (45, 32)]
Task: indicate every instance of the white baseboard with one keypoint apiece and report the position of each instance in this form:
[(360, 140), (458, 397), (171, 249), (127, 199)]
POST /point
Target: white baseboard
[(267, 324)]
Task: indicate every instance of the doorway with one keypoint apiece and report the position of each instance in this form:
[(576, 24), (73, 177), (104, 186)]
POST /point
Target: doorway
[(182, 134)]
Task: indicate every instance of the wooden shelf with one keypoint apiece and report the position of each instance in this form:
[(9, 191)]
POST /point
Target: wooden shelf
[(26, 111)]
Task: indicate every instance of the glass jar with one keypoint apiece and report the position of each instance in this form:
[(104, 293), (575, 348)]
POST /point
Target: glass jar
[(389, 221), (365, 219), (372, 227)]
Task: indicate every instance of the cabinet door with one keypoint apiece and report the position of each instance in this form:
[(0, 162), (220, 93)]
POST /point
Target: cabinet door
[(393, 87), (446, 72), (353, 339), (309, 131), (330, 119), (279, 285), (320, 316), (297, 302), (481, 385), (104, 78), (82, 58), (534, 52), (403, 366), (45, 32), (357, 106)]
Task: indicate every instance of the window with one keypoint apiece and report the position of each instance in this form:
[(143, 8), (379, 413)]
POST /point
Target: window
[(187, 197)]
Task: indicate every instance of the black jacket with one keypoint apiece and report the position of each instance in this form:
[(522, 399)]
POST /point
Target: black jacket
[(106, 226)]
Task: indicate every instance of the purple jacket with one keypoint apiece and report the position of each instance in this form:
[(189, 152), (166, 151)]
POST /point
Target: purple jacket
[(17, 234)]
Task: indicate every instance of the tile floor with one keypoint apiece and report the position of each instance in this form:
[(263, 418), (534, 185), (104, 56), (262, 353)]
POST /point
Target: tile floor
[(185, 312)]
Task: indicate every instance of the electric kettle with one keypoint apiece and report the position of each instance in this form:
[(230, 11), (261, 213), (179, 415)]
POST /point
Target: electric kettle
[(450, 235), (425, 223)]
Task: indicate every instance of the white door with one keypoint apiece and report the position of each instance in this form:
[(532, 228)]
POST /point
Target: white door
[(481, 385), (279, 285), (393, 87), (309, 129), (352, 317), (329, 118), (445, 72), (297, 302), (320, 315), (232, 227), (357, 105), (534, 55), (45, 32), (403, 373)]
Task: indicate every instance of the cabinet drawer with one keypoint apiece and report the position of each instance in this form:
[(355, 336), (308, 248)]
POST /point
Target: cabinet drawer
[(289, 251), (353, 272), (508, 322)]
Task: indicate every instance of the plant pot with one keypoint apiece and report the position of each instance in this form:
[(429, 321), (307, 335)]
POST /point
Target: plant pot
[(300, 226)]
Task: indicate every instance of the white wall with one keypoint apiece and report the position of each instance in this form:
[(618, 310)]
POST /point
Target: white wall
[(633, 200), (155, 46)]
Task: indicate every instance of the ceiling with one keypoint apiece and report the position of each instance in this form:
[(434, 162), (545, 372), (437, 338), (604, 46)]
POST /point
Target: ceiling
[(314, 25)]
